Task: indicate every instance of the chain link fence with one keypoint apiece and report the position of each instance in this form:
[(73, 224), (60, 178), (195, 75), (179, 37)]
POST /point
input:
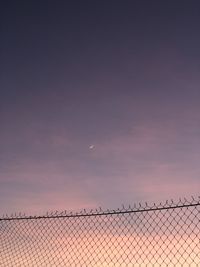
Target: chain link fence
[(164, 235)]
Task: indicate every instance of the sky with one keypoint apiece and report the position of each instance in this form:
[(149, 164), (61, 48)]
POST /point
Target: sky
[(99, 103)]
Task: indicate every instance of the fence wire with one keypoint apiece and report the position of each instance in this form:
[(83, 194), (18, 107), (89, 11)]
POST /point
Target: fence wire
[(160, 235)]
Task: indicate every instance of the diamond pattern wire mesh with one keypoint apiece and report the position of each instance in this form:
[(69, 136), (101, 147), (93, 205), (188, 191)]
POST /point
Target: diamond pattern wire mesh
[(164, 235)]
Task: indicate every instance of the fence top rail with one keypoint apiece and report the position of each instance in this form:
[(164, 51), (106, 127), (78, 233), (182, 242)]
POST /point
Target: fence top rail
[(181, 203)]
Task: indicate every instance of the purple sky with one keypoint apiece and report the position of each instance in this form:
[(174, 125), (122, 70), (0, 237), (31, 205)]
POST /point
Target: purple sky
[(99, 103)]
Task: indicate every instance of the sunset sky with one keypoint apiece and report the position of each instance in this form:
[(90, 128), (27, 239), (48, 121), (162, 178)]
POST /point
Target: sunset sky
[(99, 103)]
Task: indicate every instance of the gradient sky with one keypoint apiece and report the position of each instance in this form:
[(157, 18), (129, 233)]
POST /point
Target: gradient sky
[(99, 103)]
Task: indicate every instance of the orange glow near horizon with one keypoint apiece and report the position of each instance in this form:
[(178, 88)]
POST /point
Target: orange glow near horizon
[(109, 252)]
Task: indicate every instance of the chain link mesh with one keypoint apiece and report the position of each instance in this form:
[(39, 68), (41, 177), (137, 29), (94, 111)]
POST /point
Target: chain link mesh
[(164, 235)]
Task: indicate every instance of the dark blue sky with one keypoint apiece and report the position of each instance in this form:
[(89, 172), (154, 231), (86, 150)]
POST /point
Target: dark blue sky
[(99, 103)]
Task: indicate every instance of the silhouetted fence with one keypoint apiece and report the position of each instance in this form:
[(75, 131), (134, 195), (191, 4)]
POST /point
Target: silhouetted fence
[(160, 235)]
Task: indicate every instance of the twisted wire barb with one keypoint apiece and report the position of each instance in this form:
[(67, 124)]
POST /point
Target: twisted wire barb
[(182, 203)]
